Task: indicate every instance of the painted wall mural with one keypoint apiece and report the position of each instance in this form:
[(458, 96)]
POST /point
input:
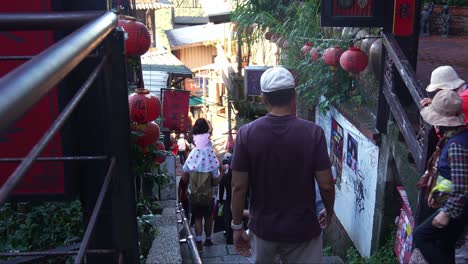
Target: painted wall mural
[(354, 159)]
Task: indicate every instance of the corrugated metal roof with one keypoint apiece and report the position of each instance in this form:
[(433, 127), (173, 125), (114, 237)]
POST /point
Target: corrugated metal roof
[(188, 36), (151, 4), (164, 61)]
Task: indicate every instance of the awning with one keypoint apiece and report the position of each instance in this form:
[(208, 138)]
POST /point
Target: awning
[(197, 35), (164, 61), (195, 101), (218, 11)]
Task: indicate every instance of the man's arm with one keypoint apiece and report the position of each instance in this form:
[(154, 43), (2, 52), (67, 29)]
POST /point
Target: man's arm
[(327, 191), (240, 183)]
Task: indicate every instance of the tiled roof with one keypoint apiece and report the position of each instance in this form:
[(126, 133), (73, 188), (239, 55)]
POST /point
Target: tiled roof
[(192, 36), (151, 4)]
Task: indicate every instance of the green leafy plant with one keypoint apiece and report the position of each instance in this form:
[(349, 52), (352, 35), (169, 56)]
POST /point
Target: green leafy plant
[(40, 226), (383, 255), (299, 22)]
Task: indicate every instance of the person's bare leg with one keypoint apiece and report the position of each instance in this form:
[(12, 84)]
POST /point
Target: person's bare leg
[(208, 231), (198, 232)]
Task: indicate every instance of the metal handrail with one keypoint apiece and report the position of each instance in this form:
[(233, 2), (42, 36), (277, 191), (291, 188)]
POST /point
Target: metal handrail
[(190, 240), (26, 85), (23, 167), (46, 21), (94, 216)]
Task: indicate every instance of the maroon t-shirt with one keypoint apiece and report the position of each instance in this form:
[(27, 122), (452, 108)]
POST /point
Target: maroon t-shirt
[(281, 155)]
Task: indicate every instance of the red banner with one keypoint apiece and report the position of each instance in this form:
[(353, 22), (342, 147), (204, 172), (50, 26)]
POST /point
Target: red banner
[(403, 18), (175, 109), (17, 140)]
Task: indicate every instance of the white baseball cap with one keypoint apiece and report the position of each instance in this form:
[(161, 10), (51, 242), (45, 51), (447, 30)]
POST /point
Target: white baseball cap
[(275, 79)]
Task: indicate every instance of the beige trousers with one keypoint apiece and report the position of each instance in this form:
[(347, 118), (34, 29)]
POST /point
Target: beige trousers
[(264, 251)]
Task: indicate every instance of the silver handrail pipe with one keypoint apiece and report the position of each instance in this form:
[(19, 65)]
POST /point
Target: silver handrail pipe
[(24, 86), (190, 239)]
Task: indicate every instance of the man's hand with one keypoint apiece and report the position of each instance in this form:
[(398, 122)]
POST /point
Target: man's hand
[(441, 220), (242, 243), (324, 219), (432, 203), (425, 102)]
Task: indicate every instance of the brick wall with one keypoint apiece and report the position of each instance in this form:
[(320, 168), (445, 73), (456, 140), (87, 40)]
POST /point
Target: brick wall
[(458, 21)]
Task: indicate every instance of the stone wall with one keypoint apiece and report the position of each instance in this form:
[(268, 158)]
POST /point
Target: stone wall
[(458, 21)]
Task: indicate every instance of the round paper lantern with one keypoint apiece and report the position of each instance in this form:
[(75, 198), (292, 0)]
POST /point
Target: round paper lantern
[(367, 42), (150, 133), (144, 106), (359, 37), (375, 57), (160, 146), (315, 54), (331, 56), (159, 159), (138, 38), (306, 48), (280, 41), (275, 37), (354, 60)]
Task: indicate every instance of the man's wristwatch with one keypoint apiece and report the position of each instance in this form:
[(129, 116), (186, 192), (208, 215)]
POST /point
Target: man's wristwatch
[(237, 227)]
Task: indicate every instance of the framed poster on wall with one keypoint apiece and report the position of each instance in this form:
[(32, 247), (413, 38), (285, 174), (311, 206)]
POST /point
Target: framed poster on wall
[(352, 13)]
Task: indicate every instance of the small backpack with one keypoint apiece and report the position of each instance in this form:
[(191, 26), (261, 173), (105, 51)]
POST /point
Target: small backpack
[(200, 188)]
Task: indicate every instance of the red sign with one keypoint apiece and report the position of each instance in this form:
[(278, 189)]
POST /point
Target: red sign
[(403, 18), (175, 109), (405, 229), (17, 140)]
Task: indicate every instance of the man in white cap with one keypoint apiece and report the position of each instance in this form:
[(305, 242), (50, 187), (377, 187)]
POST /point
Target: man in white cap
[(446, 78), (280, 156)]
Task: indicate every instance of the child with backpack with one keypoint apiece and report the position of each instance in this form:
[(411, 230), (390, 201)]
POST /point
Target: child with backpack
[(202, 173)]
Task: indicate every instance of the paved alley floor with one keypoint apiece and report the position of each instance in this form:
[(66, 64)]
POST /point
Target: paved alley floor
[(435, 51)]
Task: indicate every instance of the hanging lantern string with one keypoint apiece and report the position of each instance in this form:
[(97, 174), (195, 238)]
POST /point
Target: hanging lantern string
[(337, 40)]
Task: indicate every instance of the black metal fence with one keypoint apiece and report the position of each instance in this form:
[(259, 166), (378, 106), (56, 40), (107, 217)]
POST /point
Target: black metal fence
[(109, 210)]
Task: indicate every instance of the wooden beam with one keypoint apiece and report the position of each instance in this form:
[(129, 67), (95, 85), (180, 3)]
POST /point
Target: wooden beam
[(404, 68), (405, 127)]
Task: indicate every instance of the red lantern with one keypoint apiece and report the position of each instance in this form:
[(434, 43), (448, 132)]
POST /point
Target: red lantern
[(331, 56), (150, 133), (138, 38), (315, 53), (354, 60), (268, 35), (159, 159), (307, 47), (160, 146), (144, 106)]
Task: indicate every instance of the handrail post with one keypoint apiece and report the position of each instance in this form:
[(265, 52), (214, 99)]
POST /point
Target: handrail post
[(190, 240)]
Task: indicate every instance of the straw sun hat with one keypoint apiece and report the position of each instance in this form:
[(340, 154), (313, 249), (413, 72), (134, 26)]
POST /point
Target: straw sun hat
[(444, 77), (445, 110)]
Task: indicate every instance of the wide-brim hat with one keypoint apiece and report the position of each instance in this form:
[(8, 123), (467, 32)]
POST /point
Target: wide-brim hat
[(445, 78), (445, 110)]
